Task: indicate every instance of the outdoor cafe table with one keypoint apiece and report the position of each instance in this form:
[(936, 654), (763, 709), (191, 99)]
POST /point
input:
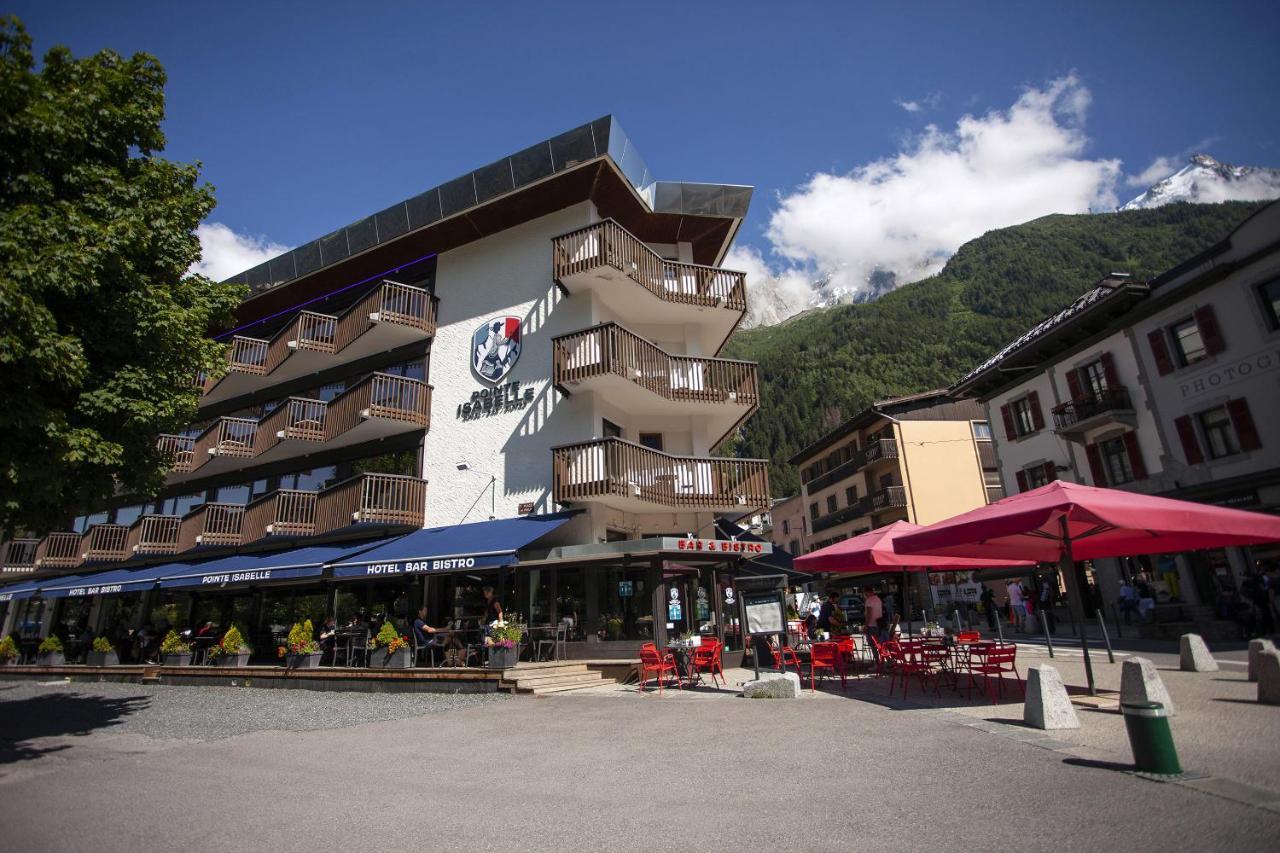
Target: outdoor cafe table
[(683, 653)]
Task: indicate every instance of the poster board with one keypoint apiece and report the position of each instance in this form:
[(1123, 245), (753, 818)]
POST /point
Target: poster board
[(764, 613)]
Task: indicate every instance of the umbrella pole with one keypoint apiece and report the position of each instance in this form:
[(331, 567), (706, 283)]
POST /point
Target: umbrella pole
[(1067, 565), (906, 601)]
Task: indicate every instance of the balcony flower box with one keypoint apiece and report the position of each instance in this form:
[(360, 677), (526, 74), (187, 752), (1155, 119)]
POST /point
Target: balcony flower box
[(97, 658)]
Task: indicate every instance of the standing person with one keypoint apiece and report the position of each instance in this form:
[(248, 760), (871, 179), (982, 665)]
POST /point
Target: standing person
[(873, 610), (1017, 613), (1128, 601), (988, 599), (827, 613), (492, 606), (1048, 597)]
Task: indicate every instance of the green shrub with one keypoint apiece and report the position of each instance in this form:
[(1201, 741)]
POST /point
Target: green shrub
[(232, 643), (50, 644), (302, 640), (8, 649), (173, 644), (102, 644)]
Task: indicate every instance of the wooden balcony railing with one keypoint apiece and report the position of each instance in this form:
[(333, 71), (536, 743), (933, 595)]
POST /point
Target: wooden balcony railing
[(611, 349), (105, 543), (380, 395), (389, 302), (58, 551), (298, 418), (154, 534), (225, 437), (211, 524), (286, 512), (372, 499), (19, 555), (609, 244), (181, 449), (613, 467)]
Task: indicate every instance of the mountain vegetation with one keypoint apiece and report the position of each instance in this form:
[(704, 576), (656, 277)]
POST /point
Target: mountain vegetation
[(824, 366)]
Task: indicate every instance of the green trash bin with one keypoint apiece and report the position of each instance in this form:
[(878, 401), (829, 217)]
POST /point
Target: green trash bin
[(1150, 739)]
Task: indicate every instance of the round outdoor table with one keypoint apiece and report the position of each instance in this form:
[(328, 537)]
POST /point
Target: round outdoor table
[(684, 664)]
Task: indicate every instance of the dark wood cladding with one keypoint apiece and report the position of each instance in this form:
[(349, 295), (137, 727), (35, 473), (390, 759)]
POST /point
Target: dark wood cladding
[(614, 467)]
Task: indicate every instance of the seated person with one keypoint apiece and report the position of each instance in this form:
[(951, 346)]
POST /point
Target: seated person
[(425, 636), (327, 634)]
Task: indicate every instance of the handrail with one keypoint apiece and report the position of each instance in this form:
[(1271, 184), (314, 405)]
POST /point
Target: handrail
[(154, 534), (372, 499), (607, 243), (284, 512), (612, 349), (614, 467)]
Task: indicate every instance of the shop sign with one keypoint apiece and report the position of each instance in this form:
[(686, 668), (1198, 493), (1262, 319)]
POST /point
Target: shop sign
[(625, 589), (235, 577), (1259, 362), (674, 610), (716, 546), (525, 508), (95, 590), (437, 564), (494, 401)]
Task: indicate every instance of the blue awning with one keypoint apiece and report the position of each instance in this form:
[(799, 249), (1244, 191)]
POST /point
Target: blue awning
[(18, 591), (246, 569), (115, 582), (480, 545)]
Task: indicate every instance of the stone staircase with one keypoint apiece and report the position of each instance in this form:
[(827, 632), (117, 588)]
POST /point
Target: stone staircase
[(540, 679)]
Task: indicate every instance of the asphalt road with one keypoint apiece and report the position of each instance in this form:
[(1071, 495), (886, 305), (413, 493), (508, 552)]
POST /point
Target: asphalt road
[(564, 773)]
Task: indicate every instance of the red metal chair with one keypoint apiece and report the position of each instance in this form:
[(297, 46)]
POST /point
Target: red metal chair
[(659, 663), (908, 659), (988, 659), (884, 655), (826, 657), (707, 658), (787, 657)]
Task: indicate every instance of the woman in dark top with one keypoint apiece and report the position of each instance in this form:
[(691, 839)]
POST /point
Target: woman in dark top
[(493, 607)]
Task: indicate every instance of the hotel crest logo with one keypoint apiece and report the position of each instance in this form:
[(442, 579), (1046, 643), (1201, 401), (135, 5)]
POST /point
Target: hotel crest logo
[(495, 349)]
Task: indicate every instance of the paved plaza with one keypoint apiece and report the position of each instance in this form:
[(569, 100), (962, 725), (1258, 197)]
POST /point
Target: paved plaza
[(107, 767)]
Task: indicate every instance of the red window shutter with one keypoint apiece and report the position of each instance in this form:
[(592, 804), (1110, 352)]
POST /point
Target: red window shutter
[(1095, 464), (1050, 472), (1246, 432), (1037, 418), (1135, 456), (1207, 322), (1109, 371), (1160, 352), (1190, 444), (1022, 481), (1073, 386), (1006, 414)]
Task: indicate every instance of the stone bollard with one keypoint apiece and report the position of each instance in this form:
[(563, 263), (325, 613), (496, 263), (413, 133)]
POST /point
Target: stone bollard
[(1140, 682), (1194, 654), (1047, 705), (1256, 650), (783, 685), (1269, 677)]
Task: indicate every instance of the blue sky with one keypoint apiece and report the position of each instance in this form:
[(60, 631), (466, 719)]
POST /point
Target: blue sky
[(308, 116)]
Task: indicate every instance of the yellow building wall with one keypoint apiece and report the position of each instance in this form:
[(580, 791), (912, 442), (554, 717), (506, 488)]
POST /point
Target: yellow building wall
[(940, 469)]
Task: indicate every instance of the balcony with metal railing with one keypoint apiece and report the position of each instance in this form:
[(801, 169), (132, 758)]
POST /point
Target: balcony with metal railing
[(630, 477), (886, 500), (638, 376), (1109, 407), (635, 282), (389, 316), (388, 500), (18, 555), (886, 449)]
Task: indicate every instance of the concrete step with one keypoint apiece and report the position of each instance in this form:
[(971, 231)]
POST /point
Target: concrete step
[(570, 665), (558, 678), (564, 688)]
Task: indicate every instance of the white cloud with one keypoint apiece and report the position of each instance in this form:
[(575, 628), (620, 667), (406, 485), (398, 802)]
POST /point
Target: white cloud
[(223, 252), (910, 106), (928, 102), (1160, 168), (906, 214)]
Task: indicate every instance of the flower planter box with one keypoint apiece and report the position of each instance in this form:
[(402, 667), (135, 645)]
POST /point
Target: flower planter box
[(399, 659), (51, 659), (179, 659), (103, 659), (503, 658), (309, 661), (8, 661), (239, 659)]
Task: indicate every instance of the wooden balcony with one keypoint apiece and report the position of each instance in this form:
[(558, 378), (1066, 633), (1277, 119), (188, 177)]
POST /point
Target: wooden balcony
[(390, 315), (220, 447), (179, 448), (299, 422), (372, 499), (886, 500), (19, 555), (210, 525), (638, 376), (154, 534), (58, 551), (105, 543), (629, 477), (1112, 406), (637, 283), (286, 512), (378, 406)]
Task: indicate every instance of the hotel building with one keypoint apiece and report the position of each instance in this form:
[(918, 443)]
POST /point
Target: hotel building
[(519, 364)]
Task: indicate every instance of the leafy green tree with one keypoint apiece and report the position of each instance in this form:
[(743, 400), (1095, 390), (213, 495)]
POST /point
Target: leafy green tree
[(102, 329)]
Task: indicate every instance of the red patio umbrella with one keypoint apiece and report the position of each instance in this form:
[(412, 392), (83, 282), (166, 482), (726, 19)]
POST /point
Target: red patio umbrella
[(1065, 522), (874, 551)]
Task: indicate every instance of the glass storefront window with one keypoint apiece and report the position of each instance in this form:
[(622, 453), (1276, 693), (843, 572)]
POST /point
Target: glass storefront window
[(571, 600), (624, 607)]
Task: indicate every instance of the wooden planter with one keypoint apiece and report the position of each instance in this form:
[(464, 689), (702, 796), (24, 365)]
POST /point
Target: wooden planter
[(178, 659), (103, 659), (51, 659), (307, 661), (399, 659)]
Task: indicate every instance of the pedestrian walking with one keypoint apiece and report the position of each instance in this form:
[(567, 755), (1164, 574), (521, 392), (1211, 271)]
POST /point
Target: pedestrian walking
[(1017, 612)]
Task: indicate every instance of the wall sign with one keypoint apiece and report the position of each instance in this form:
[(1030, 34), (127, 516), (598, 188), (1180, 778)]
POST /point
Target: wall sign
[(495, 401), (625, 589), (495, 348), (716, 546), (435, 564), (525, 508)]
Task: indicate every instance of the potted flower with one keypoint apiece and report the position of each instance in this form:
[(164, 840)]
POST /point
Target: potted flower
[(301, 651), (174, 651), (231, 650), (8, 651), (50, 653), (612, 625), (103, 654), (503, 642), (389, 650)]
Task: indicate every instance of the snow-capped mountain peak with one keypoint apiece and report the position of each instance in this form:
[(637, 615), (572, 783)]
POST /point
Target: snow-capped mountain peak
[(1204, 179)]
